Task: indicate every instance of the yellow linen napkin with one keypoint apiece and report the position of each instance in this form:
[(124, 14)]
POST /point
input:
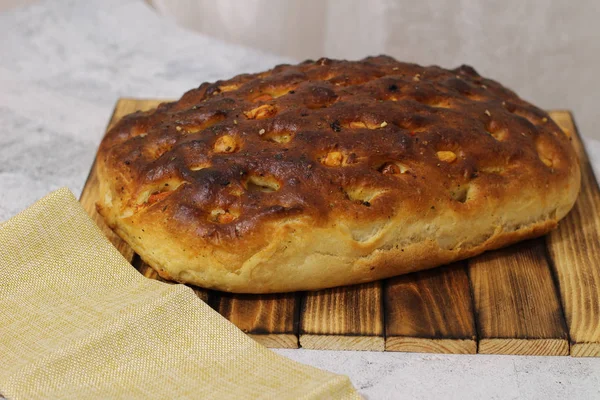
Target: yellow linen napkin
[(78, 321)]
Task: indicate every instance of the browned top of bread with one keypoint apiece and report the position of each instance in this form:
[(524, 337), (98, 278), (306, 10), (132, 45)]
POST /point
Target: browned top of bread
[(329, 141)]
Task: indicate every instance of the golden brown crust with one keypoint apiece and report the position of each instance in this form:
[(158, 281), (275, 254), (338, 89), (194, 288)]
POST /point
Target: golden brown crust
[(332, 172)]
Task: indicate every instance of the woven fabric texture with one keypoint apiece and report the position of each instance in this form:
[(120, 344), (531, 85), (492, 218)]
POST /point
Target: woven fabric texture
[(78, 321)]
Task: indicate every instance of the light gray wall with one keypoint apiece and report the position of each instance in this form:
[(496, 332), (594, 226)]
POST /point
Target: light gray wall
[(547, 51)]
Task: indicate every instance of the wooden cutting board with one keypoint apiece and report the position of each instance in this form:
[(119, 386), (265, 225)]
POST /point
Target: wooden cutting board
[(538, 297)]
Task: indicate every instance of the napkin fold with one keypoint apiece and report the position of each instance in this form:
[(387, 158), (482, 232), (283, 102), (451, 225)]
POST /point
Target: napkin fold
[(78, 321)]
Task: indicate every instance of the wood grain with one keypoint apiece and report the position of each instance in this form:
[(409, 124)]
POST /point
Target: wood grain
[(431, 345), (276, 341), (343, 318), (271, 320), (90, 193), (516, 305), (575, 251), (525, 347), (430, 311), (342, 342)]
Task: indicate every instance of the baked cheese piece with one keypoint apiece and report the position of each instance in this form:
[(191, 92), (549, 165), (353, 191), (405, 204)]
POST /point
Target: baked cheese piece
[(332, 173)]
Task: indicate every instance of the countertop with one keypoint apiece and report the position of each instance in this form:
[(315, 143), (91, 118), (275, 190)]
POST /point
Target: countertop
[(63, 65)]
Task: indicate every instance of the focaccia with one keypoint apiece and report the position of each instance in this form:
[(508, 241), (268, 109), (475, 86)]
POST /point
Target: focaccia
[(331, 173)]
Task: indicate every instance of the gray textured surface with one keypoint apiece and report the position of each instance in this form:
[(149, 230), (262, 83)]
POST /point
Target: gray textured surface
[(433, 376), (62, 66)]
